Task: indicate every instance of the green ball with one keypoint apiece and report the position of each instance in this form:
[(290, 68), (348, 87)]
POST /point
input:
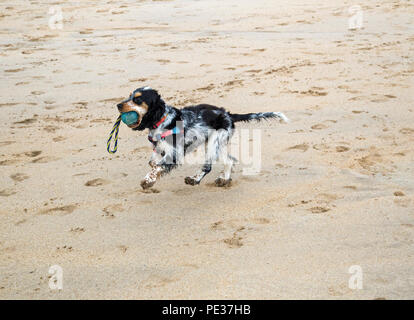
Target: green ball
[(129, 118)]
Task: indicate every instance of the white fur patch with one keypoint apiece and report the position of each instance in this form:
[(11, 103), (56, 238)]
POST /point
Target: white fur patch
[(281, 116)]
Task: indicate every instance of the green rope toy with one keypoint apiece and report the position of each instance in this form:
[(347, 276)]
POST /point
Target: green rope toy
[(115, 129)]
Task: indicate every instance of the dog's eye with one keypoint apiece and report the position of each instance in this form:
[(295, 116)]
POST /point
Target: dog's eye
[(138, 100)]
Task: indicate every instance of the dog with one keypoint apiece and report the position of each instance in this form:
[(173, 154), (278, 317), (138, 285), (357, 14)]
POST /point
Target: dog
[(175, 132)]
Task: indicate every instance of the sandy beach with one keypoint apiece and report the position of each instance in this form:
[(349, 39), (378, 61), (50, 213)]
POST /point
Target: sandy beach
[(336, 185)]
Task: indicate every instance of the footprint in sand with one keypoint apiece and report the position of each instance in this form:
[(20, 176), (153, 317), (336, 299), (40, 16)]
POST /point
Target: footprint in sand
[(77, 230), (63, 210), (111, 209), (303, 147), (14, 70), (37, 93), (80, 82), (163, 61), (321, 147), (217, 225), (239, 231), (357, 98), (45, 159), (19, 177), (96, 182), (80, 104), (65, 248), (302, 202), (21, 83), (373, 162), (342, 149), (26, 121), (314, 92), (207, 88), (7, 192), (319, 126), (236, 240), (157, 281), (6, 143), (123, 248), (59, 138), (407, 131), (138, 80), (318, 209), (8, 104), (234, 83), (8, 162), (261, 220), (350, 187), (32, 154), (328, 197)]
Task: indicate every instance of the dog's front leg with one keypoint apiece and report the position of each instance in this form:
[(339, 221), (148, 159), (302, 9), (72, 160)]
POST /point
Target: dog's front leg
[(152, 176), (160, 164), (163, 160), (156, 170)]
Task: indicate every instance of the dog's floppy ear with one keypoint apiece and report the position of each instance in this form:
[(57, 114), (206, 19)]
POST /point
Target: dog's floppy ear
[(153, 99), (156, 108)]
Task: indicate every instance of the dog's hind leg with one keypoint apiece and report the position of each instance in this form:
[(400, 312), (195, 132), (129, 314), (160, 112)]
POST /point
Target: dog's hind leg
[(196, 179), (216, 139), (225, 178), (211, 156)]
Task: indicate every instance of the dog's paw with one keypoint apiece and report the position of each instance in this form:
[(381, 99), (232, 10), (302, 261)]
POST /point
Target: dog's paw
[(145, 184), (191, 181), (220, 182)]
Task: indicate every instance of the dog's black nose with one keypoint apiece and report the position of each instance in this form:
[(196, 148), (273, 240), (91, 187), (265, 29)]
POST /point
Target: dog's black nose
[(119, 105)]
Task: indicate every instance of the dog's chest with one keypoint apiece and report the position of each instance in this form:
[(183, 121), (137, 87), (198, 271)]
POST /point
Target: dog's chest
[(181, 137)]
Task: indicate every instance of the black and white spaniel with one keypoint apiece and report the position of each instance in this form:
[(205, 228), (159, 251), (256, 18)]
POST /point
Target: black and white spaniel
[(176, 132)]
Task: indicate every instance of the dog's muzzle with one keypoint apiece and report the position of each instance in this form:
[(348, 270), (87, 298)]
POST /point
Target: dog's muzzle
[(131, 113)]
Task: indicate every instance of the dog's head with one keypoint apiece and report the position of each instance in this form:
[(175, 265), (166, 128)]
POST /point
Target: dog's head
[(148, 105)]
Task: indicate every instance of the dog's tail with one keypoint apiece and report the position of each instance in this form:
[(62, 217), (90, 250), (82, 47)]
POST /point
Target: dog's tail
[(259, 116)]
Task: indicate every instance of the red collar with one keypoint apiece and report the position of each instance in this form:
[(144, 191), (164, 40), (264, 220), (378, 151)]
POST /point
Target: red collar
[(163, 135), (161, 121)]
